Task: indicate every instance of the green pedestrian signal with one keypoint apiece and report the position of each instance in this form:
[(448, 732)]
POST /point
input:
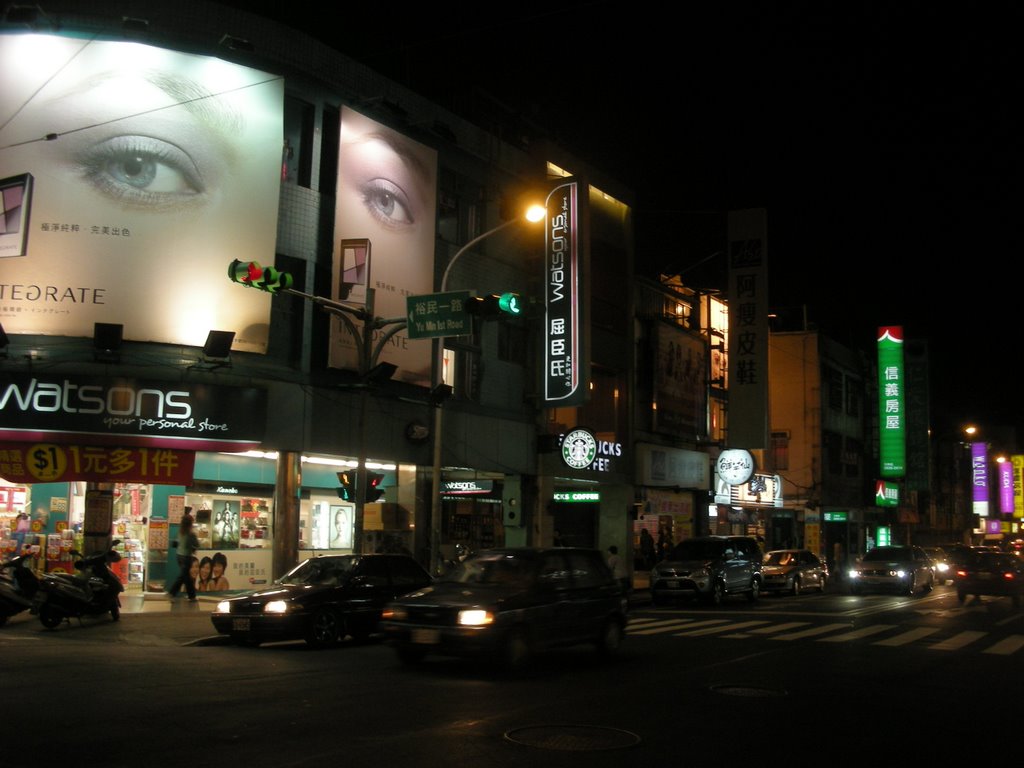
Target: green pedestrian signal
[(347, 489), (494, 305), (509, 302), (262, 278)]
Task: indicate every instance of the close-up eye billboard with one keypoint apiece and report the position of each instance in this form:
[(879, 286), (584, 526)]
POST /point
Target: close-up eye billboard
[(132, 177)]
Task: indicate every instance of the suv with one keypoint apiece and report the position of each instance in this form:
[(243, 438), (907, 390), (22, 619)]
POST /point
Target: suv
[(507, 604), (709, 568)]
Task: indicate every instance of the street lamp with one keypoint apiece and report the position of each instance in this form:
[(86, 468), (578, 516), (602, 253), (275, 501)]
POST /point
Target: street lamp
[(533, 214)]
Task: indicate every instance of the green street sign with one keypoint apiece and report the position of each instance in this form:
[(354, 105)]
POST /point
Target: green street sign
[(438, 314)]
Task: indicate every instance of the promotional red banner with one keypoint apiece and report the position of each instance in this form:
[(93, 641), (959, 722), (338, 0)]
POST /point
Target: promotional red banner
[(59, 463)]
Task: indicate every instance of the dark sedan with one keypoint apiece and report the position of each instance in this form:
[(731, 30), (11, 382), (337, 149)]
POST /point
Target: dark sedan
[(901, 568), (507, 604), (990, 573), (793, 570), (321, 600)]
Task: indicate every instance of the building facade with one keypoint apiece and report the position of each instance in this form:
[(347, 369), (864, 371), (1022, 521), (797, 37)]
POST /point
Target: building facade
[(156, 161)]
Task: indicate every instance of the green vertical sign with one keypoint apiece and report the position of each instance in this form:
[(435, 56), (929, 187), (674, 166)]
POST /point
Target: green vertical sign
[(892, 431)]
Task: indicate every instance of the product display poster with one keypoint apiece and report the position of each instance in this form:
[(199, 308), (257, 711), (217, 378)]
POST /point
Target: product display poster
[(226, 525)]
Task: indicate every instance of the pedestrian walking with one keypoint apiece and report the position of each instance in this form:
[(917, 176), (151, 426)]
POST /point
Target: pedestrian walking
[(618, 569), (646, 549), (187, 544)]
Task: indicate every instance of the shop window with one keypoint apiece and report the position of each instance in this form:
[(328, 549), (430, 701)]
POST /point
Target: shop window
[(297, 151), (834, 383), (331, 122), (780, 451)]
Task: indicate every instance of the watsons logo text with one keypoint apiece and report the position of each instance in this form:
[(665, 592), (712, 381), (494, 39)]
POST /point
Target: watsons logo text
[(116, 402)]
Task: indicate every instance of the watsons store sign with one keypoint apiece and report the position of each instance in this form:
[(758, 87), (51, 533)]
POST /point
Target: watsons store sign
[(65, 409)]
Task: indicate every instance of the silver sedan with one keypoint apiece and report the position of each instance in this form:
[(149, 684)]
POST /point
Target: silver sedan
[(792, 571)]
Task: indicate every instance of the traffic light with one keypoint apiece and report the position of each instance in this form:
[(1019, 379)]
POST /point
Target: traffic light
[(347, 489), (373, 488), (494, 305), (262, 278)]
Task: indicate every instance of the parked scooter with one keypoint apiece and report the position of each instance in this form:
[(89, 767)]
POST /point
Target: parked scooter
[(18, 586), (95, 592)]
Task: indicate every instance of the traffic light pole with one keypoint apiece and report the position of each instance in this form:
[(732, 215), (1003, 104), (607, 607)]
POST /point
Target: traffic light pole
[(435, 506), (369, 353)]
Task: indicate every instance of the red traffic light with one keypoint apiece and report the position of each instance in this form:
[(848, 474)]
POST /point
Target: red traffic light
[(262, 278), (373, 489)]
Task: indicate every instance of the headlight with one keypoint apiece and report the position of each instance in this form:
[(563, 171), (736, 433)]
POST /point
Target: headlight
[(900, 573), (475, 617), (223, 607), (854, 574), (700, 573), (276, 606), (942, 567)]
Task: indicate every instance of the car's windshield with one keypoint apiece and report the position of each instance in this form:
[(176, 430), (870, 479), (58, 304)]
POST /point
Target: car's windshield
[(695, 549), (780, 558), (493, 570), (887, 553), (330, 570)]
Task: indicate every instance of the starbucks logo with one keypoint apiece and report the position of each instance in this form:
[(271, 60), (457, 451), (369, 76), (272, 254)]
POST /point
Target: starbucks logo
[(579, 449)]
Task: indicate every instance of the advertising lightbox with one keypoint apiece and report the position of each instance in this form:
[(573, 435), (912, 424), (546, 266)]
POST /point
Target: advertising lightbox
[(144, 172), (891, 410)]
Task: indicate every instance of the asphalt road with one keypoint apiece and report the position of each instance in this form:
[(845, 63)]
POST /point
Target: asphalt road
[(815, 679)]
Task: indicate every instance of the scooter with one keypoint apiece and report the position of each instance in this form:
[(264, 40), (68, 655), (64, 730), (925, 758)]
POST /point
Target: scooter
[(18, 586), (95, 592)]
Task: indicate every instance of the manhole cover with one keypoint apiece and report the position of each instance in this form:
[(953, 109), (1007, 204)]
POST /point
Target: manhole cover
[(750, 691), (573, 738)]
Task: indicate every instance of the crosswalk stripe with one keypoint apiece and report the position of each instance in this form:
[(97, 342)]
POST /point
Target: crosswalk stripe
[(779, 627), (811, 632), (1007, 645), (726, 628), (857, 634), (957, 641), (908, 637), (713, 630), (659, 628)]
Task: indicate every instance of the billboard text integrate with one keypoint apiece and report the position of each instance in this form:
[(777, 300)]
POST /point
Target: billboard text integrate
[(137, 174)]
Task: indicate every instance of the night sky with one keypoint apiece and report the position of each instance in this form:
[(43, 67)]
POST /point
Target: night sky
[(881, 139)]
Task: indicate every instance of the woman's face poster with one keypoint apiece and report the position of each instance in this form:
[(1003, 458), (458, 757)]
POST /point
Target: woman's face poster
[(149, 170)]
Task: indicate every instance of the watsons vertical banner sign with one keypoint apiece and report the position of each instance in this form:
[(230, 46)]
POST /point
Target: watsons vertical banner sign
[(562, 301), (891, 410)]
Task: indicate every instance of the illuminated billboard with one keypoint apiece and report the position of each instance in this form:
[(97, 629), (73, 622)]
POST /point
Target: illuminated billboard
[(892, 428), (147, 172), (563, 328), (383, 238), (979, 479)]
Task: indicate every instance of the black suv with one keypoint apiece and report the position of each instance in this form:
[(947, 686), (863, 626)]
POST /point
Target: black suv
[(709, 568), (509, 603)]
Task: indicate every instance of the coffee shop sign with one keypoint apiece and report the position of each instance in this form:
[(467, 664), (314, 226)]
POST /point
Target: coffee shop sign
[(582, 450)]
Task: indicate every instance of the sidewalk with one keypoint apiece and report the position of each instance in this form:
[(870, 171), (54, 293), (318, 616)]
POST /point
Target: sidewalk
[(155, 602)]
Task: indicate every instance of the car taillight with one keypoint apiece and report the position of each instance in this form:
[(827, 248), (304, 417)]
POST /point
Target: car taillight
[(961, 573), (1009, 575)]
